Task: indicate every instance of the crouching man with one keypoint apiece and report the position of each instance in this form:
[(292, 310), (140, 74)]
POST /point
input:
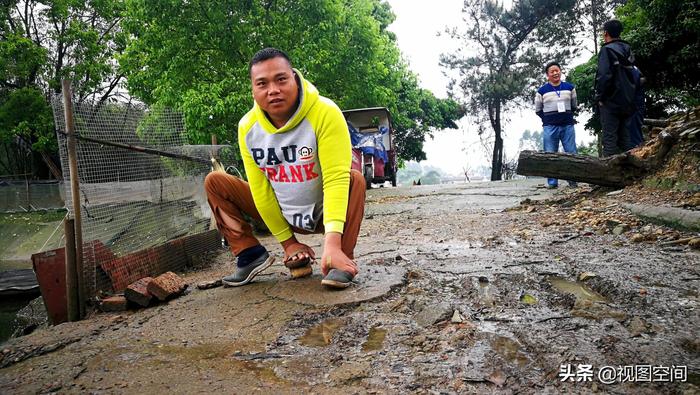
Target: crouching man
[(297, 156)]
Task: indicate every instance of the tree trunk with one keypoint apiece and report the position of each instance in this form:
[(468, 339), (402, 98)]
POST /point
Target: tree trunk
[(497, 159), (55, 171), (613, 171), (594, 25)]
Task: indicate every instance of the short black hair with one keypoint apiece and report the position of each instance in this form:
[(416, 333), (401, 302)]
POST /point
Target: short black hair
[(613, 27), (265, 54), (550, 64)]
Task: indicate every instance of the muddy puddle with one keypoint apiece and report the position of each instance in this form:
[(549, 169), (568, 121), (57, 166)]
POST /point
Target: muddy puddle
[(487, 293), (261, 372), (509, 349), (10, 307), (375, 339), (321, 335), (579, 290)]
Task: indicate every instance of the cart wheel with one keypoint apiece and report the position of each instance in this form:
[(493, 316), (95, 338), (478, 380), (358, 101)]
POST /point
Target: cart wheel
[(369, 174)]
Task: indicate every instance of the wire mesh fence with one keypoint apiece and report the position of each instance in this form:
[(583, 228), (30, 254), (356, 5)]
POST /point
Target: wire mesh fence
[(29, 195), (24, 185), (142, 213)]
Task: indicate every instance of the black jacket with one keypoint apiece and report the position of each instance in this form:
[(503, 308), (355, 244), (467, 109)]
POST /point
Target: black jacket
[(614, 81)]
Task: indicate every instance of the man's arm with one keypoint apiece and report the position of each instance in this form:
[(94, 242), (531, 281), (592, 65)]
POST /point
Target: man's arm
[(603, 76), (538, 105), (335, 158), (574, 100)]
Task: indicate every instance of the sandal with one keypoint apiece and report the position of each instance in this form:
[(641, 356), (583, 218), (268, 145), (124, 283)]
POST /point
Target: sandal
[(301, 262), (299, 268), (337, 279)]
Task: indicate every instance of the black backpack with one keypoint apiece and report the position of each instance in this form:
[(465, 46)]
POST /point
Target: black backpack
[(625, 87)]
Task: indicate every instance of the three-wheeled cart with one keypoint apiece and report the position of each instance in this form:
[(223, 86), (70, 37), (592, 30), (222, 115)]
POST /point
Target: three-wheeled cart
[(373, 150)]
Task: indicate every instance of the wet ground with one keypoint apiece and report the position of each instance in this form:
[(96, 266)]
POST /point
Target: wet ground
[(456, 295)]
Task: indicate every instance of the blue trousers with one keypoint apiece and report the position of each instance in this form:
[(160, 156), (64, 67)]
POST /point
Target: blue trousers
[(552, 135)]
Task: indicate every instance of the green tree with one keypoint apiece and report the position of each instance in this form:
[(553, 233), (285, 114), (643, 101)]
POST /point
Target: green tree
[(590, 149), (591, 14), (431, 177), (531, 141), (193, 55), (26, 125), (502, 57), (583, 77), (45, 41), (665, 39)]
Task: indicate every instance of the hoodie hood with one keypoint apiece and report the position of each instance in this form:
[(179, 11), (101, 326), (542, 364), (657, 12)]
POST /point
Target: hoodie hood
[(308, 96)]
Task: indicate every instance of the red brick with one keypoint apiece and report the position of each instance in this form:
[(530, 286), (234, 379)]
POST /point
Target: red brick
[(113, 303), (126, 269), (166, 286), (137, 292)]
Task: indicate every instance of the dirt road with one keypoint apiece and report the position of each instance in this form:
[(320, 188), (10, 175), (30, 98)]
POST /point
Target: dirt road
[(456, 295)]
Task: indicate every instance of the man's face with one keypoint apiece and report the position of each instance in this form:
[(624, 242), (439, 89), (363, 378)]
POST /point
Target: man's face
[(275, 88), (606, 37), (554, 75)]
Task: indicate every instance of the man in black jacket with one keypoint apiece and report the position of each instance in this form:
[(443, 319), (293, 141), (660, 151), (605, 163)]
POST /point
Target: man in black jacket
[(615, 89)]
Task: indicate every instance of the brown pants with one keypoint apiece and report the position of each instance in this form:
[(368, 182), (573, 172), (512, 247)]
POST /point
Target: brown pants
[(230, 196)]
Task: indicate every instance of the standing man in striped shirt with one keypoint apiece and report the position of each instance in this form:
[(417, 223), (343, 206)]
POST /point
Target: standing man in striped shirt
[(555, 103)]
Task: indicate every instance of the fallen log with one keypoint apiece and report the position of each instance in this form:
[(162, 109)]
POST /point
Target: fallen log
[(614, 171)]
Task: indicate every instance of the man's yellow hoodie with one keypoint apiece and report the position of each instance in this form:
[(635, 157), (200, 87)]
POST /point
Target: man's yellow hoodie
[(300, 172)]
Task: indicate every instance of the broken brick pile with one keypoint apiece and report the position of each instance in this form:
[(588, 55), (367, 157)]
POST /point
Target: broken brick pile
[(143, 291)]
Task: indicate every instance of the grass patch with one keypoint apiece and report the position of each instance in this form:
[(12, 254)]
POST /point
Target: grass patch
[(23, 234)]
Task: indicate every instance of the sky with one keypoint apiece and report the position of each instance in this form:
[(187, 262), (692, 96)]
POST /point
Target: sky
[(416, 27)]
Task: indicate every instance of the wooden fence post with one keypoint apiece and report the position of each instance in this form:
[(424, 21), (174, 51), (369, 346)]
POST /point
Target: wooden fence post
[(72, 302), (75, 196)]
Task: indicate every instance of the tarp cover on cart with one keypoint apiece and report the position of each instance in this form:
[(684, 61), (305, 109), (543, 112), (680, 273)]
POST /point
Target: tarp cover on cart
[(369, 142)]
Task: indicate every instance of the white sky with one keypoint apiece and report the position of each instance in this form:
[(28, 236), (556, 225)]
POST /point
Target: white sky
[(416, 26)]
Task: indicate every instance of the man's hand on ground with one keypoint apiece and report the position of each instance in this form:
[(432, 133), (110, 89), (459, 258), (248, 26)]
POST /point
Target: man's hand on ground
[(334, 257), (294, 250)]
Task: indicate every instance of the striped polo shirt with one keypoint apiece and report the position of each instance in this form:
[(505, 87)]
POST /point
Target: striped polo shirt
[(548, 107)]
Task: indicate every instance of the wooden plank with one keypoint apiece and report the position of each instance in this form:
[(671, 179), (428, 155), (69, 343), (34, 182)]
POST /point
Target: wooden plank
[(75, 194), (72, 297)]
